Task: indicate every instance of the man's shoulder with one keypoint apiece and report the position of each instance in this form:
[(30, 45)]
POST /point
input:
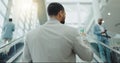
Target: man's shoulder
[(96, 25), (70, 27), (33, 31), (10, 23)]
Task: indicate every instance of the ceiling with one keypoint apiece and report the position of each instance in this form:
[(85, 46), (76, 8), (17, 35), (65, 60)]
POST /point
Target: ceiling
[(68, 0), (112, 21)]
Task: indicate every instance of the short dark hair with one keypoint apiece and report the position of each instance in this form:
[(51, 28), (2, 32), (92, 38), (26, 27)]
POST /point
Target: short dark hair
[(100, 19), (54, 8), (10, 19)]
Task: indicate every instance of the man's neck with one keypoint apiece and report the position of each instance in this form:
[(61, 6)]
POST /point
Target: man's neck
[(99, 24), (55, 18)]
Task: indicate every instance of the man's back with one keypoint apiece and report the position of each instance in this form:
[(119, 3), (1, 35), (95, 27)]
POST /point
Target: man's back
[(8, 30), (54, 42)]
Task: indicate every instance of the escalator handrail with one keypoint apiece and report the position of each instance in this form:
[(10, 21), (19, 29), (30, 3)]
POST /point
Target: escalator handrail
[(116, 51), (10, 42), (97, 59), (15, 56)]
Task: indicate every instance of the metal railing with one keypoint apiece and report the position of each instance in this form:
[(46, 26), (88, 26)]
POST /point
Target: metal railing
[(96, 57), (11, 42), (11, 49), (118, 52), (12, 59)]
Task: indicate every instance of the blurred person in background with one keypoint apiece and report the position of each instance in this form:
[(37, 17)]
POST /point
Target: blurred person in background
[(7, 34), (102, 36), (7, 31)]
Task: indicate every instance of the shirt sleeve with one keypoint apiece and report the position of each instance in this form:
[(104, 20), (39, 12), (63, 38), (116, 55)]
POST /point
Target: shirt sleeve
[(26, 57), (82, 49)]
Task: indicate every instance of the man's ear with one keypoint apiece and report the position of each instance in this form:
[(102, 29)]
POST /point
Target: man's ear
[(60, 13)]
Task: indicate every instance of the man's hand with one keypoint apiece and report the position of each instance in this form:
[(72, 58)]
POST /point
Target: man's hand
[(102, 32), (83, 34), (109, 36)]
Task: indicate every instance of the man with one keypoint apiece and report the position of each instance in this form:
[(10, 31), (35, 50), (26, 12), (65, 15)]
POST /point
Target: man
[(102, 36), (54, 42), (7, 31)]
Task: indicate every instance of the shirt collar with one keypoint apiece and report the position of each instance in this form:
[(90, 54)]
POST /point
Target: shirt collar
[(52, 21)]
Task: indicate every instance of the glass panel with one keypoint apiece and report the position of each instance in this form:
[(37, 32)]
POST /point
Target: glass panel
[(24, 13), (71, 15), (1, 24), (85, 16), (77, 15), (2, 8), (6, 2)]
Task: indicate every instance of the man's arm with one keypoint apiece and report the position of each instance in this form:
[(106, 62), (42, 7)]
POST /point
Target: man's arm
[(82, 49), (26, 57)]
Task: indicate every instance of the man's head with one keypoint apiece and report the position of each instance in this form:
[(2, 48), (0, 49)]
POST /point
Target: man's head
[(10, 19), (100, 21), (57, 11)]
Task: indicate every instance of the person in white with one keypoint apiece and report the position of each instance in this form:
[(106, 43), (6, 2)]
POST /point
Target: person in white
[(54, 41)]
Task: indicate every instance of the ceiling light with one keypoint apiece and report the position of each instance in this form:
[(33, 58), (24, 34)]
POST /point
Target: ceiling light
[(109, 14), (103, 21)]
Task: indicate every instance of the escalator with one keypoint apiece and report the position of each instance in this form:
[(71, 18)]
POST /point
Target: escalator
[(14, 47)]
